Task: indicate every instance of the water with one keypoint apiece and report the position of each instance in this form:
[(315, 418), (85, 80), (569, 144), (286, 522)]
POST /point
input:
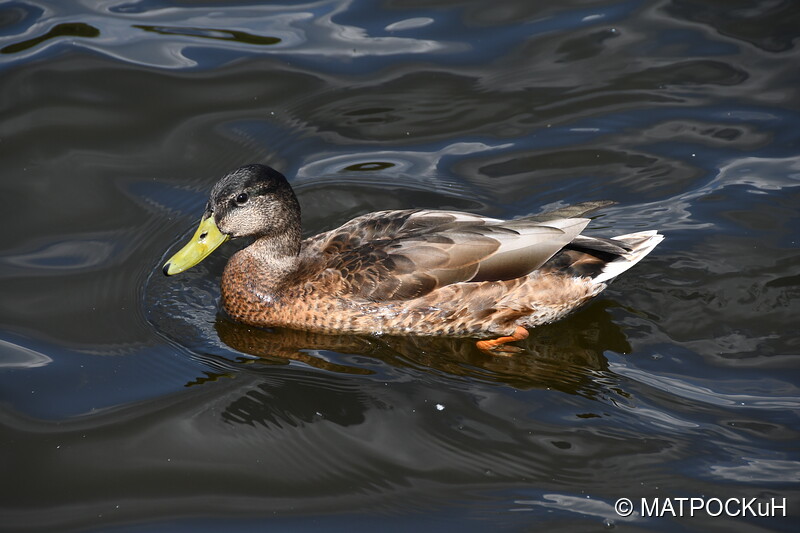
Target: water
[(127, 403)]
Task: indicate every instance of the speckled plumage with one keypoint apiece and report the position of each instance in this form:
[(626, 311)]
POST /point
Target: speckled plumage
[(413, 272)]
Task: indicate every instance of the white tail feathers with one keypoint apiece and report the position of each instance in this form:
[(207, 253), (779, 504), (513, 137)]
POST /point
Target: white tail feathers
[(641, 244)]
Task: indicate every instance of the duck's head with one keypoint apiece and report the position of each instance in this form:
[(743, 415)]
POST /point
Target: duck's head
[(254, 200)]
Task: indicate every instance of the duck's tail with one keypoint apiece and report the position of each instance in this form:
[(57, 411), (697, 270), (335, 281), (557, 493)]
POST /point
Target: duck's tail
[(637, 246), (602, 259)]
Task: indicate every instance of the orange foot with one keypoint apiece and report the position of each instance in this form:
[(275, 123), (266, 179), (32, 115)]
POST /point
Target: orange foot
[(495, 346)]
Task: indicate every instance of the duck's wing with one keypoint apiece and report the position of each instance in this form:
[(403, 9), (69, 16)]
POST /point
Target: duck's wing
[(395, 255)]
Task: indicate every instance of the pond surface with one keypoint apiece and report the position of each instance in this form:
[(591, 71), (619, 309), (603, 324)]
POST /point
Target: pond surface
[(129, 403)]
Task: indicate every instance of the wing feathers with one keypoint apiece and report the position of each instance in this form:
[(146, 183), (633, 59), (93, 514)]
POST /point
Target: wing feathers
[(536, 243), (405, 254)]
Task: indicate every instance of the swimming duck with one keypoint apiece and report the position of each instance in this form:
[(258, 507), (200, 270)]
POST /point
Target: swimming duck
[(411, 272)]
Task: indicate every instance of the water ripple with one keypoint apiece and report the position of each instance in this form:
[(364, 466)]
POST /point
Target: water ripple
[(698, 393), (125, 32)]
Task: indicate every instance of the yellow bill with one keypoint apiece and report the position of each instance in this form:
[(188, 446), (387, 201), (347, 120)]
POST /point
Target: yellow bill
[(206, 239)]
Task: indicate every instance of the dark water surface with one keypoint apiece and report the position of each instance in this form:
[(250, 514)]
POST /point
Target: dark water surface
[(127, 403)]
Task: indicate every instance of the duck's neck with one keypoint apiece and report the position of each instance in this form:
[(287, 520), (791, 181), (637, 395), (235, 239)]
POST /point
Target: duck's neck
[(276, 256), (255, 278), (277, 250)]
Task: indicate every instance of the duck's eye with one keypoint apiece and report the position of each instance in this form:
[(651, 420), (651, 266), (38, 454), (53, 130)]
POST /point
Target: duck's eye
[(242, 198)]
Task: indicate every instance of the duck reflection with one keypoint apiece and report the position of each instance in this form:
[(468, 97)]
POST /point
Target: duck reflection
[(561, 356)]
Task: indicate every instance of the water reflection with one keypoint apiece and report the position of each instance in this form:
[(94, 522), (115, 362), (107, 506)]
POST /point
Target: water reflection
[(123, 29), (212, 33), (74, 29), (770, 26), (16, 356), (330, 441), (564, 356), (275, 403)]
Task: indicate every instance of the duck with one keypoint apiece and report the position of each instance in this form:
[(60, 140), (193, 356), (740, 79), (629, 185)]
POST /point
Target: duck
[(418, 272)]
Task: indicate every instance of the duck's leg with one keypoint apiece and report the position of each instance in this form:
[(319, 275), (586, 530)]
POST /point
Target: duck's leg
[(495, 346)]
